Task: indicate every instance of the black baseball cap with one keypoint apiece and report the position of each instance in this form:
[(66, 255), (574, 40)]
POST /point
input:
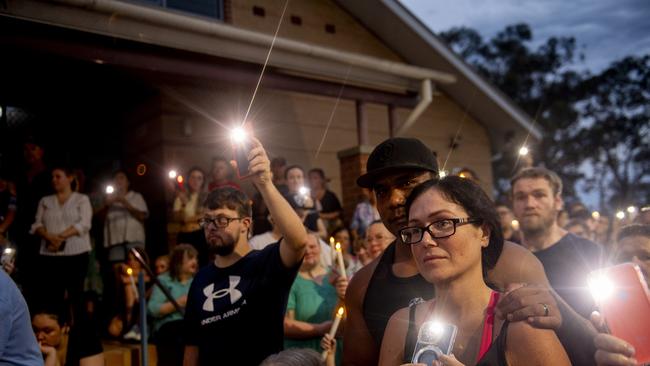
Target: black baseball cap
[(398, 153)]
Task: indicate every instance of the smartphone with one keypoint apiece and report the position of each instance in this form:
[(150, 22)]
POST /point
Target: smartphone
[(434, 339), (240, 155), (626, 307)]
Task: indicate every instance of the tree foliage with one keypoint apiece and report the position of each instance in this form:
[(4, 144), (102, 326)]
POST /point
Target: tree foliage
[(602, 119)]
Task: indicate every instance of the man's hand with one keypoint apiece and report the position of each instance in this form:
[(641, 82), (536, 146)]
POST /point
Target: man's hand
[(9, 266), (324, 327), (610, 350), (533, 303), (182, 301), (448, 360), (341, 285), (259, 164)]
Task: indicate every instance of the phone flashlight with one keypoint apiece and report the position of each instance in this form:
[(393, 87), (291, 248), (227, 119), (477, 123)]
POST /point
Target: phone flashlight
[(303, 191), (172, 174), (110, 189), (600, 287), (241, 148)]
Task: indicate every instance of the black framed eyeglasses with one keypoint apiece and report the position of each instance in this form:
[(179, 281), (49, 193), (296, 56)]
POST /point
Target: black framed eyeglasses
[(438, 229), (219, 221)]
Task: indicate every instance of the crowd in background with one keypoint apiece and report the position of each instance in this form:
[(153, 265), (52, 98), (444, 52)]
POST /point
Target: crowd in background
[(80, 288)]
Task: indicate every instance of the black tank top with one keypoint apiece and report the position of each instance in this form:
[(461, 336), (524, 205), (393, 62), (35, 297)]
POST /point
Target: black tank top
[(387, 293)]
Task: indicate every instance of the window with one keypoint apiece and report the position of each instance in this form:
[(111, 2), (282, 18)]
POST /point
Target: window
[(208, 8)]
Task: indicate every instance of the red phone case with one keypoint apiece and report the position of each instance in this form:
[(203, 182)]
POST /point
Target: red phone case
[(627, 310)]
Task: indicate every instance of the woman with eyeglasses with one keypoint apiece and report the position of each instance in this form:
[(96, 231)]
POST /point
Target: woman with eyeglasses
[(455, 237)]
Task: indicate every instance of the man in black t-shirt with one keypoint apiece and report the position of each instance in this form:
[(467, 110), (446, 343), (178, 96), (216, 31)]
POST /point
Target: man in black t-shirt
[(567, 259), (236, 305)]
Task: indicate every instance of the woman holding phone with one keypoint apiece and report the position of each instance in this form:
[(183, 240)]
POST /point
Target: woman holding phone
[(455, 237)]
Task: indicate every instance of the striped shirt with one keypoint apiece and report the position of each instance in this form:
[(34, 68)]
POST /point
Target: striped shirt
[(120, 225), (56, 218)]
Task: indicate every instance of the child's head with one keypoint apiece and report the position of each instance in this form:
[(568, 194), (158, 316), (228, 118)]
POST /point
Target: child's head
[(183, 261), (162, 264)]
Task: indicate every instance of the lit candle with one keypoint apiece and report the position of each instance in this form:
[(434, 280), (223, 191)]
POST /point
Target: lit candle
[(129, 271), (332, 248), (339, 259), (515, 225), (335, 327), (180, 181)]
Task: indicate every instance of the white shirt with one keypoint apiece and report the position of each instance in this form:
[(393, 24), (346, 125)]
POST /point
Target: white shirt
[(56, 218), (121, 226)]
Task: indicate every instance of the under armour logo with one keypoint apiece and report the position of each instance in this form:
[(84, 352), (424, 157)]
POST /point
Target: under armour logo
[(235, 294)]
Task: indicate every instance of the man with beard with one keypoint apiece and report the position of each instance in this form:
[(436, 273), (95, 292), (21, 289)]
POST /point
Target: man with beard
[(395, 167), (567, 258), (236, 305)]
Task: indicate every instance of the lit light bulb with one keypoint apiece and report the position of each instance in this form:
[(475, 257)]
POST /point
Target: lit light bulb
[(110, 189), (620, 215), (523, 151), (238, 134), (172, 174), (631, 209), (595, 215), (442, 174)]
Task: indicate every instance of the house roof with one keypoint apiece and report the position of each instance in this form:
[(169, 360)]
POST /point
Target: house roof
[(405, 34)]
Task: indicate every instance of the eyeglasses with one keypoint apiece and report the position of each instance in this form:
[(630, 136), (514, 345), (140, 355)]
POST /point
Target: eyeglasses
[(438, 230), (219, 221)]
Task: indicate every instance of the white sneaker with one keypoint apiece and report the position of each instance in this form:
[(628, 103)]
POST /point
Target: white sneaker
[(133, 334)]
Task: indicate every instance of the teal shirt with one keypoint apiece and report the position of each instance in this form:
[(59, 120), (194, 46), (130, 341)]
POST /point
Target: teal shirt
[(157, 299), (312, 303)]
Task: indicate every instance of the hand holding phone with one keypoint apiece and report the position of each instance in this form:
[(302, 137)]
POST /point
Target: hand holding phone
[(434, 339), (241, 145), (622, 297)]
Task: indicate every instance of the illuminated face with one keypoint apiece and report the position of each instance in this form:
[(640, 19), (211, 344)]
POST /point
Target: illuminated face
[(223, 240), (377, 239), (635, 249), (535, 205), (190, 264), (195, 181), (442, 260), (295, 180), (343, 237), (47, 330), (391, 192), (121, 182), (312, 253), (60, 181)]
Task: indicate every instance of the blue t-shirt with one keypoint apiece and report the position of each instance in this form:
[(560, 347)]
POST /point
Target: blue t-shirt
[(235, 315), (17, 341)]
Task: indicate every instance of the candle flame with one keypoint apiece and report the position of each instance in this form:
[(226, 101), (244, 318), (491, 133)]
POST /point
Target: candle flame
[(179, 179), (340, 311), (331, 240), (338, 247), (129, 271)]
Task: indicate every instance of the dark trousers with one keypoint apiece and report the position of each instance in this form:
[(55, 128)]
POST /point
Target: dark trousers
[(169, 344), (60, 276)]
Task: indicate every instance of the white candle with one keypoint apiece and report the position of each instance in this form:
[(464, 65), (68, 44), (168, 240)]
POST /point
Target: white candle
[(332, 249), (334, 328), (339, 259)]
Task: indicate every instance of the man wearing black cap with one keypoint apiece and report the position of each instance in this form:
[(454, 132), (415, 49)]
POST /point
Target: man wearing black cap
[(391, 281)]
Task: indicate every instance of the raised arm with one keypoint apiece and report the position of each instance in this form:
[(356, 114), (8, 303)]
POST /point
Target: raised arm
[(292, 247)]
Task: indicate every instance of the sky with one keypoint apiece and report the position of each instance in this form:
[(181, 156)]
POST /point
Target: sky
[(606, 30)]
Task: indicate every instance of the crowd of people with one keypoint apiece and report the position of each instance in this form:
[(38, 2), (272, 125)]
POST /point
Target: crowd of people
[(261, 279)]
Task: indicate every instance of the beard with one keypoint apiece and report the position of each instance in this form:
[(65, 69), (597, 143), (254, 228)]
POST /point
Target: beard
[(534, 225), (221, 243)]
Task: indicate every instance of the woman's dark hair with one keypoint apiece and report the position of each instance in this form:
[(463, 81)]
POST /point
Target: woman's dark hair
[(478, 205), (176, 258), (292, 167), (55, 312), (338, 229), (69, 172)]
